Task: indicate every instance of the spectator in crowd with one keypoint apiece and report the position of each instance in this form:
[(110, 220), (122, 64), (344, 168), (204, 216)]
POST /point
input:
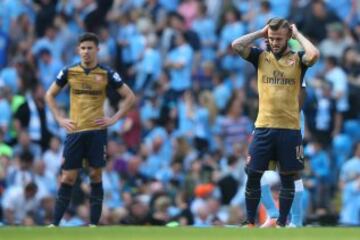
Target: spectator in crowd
[(323, 119), (5, 109), (52, 156), (351, 65), (205, 28), (234, 127), (336, 42), (4, 47), (20, 203), (318, 18), (179, 63), (350, 187), (337, 77), (35, 118), (320, 168)]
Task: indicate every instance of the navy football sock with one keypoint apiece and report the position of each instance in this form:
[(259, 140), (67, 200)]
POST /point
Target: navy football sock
[(96, 199), (62, 202), (252, 195), (286, 197)]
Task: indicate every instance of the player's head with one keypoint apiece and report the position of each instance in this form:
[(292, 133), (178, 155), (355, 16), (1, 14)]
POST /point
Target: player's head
[(88, 46), (279, 33), (30, 190)]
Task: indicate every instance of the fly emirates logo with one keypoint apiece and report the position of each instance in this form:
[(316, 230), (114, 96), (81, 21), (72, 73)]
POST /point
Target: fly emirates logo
[(278, 78)]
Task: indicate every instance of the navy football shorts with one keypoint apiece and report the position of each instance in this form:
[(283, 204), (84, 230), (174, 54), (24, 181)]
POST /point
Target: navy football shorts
[(86, 145), (281, 145)]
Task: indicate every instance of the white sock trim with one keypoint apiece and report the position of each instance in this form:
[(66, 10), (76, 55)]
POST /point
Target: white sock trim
[(299, 186)]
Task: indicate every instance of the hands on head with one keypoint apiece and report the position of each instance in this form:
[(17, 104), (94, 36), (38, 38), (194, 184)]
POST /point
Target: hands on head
[(294, 31), (265, 31)]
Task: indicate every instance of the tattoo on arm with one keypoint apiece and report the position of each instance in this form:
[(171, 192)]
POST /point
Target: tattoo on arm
[(241, 44), (308, 60)]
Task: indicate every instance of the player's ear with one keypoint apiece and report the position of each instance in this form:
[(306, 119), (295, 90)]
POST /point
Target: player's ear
[(289, 35), (290, 32)]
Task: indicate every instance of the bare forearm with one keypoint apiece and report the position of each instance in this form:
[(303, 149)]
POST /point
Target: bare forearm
[(125, 107), (50, 100), (311, 52), (307, 45), (241, 44)]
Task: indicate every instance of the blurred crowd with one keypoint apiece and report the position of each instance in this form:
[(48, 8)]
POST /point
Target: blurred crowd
[(179, 155)]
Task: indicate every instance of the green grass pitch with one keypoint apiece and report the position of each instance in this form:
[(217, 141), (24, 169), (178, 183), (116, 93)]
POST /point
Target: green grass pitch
[(176, 233)]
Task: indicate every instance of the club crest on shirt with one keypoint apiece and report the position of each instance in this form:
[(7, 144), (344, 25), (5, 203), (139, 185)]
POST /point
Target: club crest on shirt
[(99, 78), (291, 61), (267, 59)]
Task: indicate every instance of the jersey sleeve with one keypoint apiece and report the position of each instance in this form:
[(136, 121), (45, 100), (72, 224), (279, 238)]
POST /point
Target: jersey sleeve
[(62, 77), (303, 69), (254, 56), (115, 81)]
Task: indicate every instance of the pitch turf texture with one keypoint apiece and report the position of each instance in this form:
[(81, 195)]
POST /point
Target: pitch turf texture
[(177, 233)]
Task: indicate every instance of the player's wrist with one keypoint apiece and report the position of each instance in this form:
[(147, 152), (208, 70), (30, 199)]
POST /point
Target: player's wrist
[(59, 119), (296, 35), (114, 119)]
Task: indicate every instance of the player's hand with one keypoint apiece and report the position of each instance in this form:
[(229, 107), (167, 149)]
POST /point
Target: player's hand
[(66, 123), (294, 30), (105, 122), (264, 31)]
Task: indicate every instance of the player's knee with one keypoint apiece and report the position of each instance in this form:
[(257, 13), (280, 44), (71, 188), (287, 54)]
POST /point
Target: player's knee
[(68, 178), (253, 182), (95, 176), (254, 176)]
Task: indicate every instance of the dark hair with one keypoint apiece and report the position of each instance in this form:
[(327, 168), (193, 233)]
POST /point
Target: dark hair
[(318, 2), (44, 51), (203, 8), (332, 60), (277, 23), (26, 156), (88, 36), (177, 15), (35, 86), (232, 159), (31, 187), (266, 4)]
